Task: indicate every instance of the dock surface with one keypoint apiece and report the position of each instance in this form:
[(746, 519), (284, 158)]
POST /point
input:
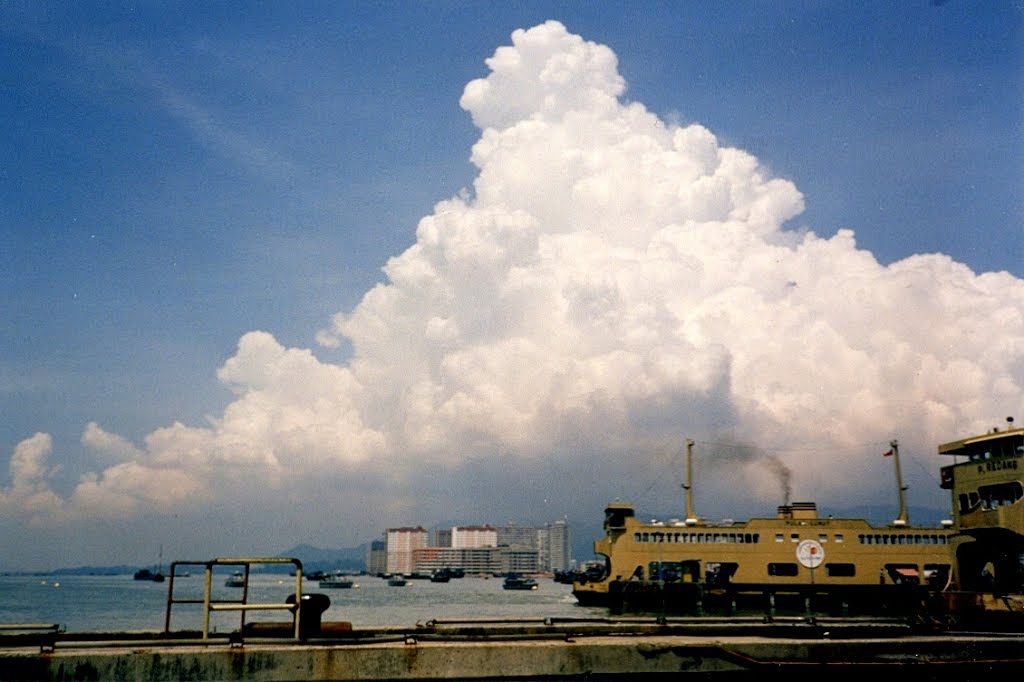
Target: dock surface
[(518, 651)]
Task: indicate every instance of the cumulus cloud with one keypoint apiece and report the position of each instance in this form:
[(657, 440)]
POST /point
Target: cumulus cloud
[(611, 284), (29, 493)]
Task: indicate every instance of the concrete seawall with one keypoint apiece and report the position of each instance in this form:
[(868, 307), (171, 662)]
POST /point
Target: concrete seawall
[(528, 654)]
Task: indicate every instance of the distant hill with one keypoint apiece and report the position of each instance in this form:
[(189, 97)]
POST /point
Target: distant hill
[(95, 570), (349, 559)]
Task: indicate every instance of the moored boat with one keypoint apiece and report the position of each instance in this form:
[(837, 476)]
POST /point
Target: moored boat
[(236, 579), (336, 581), (514, 581), (442, 575), (397, 581)]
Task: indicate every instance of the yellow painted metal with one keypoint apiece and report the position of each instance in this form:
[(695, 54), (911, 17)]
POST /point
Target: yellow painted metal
[(240, 605)]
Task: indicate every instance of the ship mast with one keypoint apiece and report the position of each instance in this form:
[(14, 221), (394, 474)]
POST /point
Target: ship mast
[(900, 520), (691, 518)]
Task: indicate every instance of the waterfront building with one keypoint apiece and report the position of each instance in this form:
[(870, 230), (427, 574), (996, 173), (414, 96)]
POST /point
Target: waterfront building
[(558, 546), (377, 557), (401, 542), (472, 560), (514, 535), (519, 560), (466, 537), (441, 537)]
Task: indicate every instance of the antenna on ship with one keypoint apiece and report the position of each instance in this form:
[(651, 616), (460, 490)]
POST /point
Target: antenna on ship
[(900, 520), (691, 518)]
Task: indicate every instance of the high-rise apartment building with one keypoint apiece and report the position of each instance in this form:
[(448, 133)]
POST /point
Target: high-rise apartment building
[(377, 557), (559, 546), (400, 545), (520, 537), (469, 537)]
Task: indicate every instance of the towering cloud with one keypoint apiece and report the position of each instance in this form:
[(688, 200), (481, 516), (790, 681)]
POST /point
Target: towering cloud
[(611, 284)]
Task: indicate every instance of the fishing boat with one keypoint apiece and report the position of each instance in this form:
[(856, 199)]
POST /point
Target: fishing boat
[(236, 579), (845, 565), (514, 581), (397, 581), (336, 581)]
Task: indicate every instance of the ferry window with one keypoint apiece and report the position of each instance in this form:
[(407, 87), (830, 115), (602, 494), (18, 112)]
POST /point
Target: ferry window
[(778, 537), (841, 570), (794, 537), (864, 539), (969, 502), (782, 569), (999, 495), (902, 574), (636, 537), (616, 518), (645, 537), (757, 538), (822, 537), (839, 537)]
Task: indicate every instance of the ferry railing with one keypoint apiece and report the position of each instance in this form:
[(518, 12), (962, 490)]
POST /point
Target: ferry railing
[(242, 605)]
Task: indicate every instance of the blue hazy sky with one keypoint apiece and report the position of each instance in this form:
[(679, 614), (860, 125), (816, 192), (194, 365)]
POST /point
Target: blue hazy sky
[(178, 174)]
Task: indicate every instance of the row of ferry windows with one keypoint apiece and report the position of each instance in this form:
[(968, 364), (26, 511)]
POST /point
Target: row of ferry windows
[(751, 538), (702, 538)]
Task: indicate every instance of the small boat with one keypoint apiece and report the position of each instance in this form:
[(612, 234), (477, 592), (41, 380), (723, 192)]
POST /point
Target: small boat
[(146, 574), (517, 582), (336, 581), (397, 581), (440, 576), (236, 579)]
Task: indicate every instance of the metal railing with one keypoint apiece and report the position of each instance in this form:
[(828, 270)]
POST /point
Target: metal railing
[(242, 605)]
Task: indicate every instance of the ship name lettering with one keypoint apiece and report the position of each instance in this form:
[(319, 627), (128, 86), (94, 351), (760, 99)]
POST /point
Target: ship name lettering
[(998, 465)]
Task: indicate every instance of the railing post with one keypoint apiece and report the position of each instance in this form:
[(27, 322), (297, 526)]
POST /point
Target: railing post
[(208, 577)]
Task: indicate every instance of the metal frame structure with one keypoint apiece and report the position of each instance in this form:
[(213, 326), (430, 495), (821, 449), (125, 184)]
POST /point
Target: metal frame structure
[(242, 605)]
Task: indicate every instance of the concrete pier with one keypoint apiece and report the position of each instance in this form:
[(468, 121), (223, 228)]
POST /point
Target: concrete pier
[(552, 652)]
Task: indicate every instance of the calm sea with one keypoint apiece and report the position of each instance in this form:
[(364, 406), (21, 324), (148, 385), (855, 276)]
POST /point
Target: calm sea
[(117, 603)]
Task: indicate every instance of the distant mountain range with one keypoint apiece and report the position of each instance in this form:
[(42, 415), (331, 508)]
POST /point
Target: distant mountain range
[(317, 559)]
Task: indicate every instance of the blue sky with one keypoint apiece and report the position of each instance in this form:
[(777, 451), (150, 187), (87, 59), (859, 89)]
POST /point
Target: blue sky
[(177, 175)]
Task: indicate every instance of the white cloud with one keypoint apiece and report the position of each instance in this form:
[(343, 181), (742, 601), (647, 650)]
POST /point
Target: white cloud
[(110, 445), (28, 494), (612, 284)]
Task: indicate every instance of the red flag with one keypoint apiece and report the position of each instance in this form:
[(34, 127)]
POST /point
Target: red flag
[(887, 454)]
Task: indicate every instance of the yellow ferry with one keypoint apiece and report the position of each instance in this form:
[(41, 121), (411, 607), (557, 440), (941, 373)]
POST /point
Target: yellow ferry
[(974, 560)]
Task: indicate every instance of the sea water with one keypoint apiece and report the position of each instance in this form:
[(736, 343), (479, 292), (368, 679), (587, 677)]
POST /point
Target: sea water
[(121, 603)]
